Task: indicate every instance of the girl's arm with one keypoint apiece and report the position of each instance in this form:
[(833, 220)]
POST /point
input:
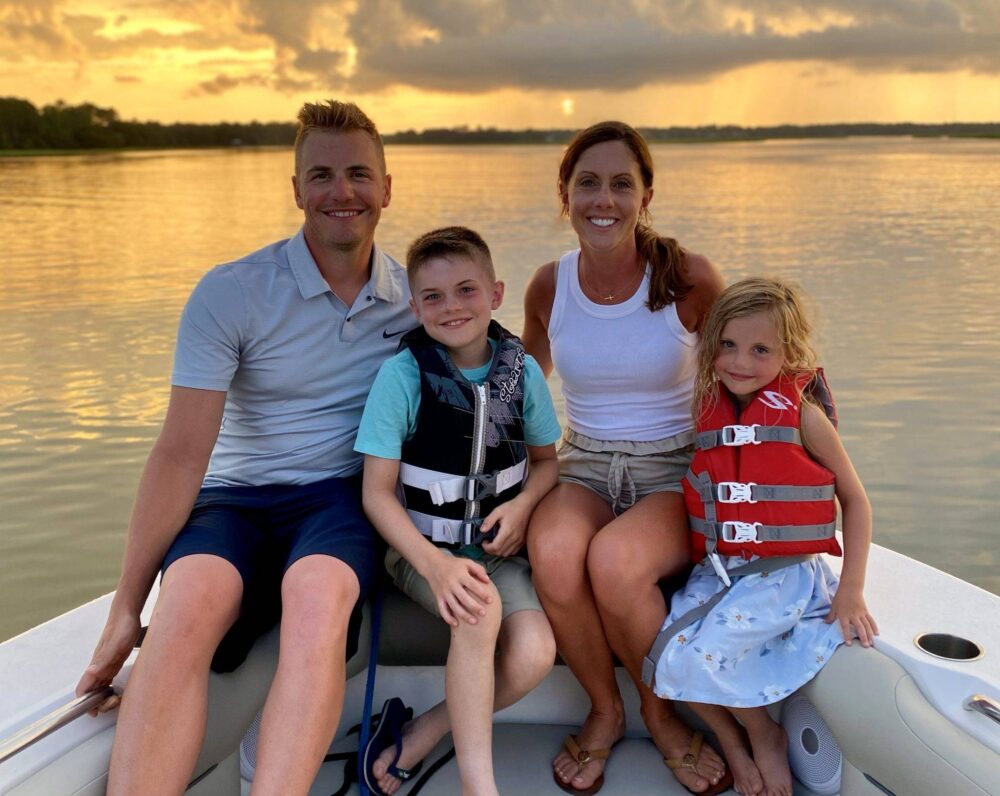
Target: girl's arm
[(821, 440)]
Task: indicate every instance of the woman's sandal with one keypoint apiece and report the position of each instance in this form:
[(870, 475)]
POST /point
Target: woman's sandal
[(690, 762), (582, 757)]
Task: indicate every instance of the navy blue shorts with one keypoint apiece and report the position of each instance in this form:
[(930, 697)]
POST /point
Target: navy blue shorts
[(262, 531)]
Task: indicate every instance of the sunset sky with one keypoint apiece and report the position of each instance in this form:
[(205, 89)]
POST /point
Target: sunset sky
[(512, 63)]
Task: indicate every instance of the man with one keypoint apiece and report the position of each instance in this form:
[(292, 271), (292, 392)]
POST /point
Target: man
[(250, 499)]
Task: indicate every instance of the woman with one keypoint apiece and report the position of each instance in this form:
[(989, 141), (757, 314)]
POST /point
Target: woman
[(618, 319)]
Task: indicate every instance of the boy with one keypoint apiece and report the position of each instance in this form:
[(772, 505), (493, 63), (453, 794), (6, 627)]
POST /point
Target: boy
[(461, 390)]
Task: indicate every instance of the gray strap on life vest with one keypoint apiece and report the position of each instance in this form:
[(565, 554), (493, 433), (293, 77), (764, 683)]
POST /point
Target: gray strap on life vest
[(736, 435), (736, 492), (699, 612), (445, 531), (448, 487), (743, 532)]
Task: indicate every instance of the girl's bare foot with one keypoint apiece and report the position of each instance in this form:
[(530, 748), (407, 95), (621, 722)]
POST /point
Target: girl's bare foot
[(746, 777), (599, 731), (770, 753)]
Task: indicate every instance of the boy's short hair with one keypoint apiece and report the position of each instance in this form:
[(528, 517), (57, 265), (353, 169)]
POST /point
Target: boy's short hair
[(334, 116), (446, 241)]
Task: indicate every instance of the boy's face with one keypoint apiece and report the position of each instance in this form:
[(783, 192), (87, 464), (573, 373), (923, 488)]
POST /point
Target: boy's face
[(453, 298)]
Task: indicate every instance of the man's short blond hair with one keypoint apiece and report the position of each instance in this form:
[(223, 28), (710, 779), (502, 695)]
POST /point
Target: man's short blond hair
[(334, 116)]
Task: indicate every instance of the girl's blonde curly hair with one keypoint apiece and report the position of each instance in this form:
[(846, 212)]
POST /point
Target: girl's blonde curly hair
[(784, 304)]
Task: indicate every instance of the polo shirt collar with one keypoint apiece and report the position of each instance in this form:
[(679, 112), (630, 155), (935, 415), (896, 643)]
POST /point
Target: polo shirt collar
[(382, 283)]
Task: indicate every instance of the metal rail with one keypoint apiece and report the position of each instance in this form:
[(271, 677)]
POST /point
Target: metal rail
[(990, 708), (51, 722)]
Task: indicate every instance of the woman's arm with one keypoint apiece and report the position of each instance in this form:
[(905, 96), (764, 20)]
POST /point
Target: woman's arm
[(706, 284), (822, 442), (538, 298)]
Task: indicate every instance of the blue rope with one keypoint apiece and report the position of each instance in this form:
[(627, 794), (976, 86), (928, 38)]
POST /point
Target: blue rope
[(366, 712)]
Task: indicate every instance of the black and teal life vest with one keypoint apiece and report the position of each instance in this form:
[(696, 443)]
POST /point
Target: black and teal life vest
[(467, 454)]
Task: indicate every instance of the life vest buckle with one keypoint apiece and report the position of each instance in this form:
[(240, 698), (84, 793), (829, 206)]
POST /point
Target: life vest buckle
[(739, 532), (480, 485), (734, 492), (740, 435)]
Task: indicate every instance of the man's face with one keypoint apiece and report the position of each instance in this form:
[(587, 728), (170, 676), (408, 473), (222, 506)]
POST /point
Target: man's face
[(342, 189)]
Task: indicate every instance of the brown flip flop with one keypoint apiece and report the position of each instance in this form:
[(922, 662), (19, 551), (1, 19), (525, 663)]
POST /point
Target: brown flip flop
[(690, 762), (582, 757)]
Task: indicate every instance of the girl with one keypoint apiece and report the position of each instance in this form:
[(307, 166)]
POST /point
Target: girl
[(760, 499)]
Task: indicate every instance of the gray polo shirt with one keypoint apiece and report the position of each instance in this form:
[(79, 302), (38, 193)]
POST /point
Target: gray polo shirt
[(295, 362)]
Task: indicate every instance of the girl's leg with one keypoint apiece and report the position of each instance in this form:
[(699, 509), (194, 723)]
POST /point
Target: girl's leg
[(559, 535), (746, 778), (627, 559), (770, 749)]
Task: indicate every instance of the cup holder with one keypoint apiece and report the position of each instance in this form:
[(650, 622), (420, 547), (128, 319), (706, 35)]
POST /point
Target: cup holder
[(949, 647)]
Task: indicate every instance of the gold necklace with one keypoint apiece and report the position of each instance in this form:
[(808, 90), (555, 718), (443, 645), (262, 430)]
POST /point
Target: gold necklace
[(611, 296)]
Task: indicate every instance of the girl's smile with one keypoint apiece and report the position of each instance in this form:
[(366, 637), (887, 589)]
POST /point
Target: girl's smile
[(751, 355)]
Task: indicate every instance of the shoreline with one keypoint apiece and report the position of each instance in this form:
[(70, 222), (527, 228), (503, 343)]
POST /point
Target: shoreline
[(474, 140)]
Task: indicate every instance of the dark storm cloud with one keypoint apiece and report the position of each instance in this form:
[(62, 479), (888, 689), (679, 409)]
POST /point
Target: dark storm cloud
[(659, 42), (460, 46)]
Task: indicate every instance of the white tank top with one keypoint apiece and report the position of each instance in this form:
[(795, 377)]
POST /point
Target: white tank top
[(627, 373)]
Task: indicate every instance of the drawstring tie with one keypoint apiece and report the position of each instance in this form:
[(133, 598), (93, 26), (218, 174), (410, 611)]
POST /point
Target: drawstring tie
[(619, 476)]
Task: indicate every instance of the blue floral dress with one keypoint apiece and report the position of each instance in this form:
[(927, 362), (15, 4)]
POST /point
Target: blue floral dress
[(762, 641)]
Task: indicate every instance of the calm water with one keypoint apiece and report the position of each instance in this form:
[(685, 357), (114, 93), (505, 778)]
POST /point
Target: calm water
[(896, 240)]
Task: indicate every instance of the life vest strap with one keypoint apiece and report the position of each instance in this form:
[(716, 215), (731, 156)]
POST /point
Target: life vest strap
[(737, 435), (701, 611), (737, 532), (444, 531), (448, 487), (737, 492)]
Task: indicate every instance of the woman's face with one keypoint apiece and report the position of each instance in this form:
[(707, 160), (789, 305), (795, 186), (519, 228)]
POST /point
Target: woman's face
[(605, 195)]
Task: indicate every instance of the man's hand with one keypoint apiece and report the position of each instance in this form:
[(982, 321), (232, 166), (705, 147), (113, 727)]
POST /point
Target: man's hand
[(116, 644)]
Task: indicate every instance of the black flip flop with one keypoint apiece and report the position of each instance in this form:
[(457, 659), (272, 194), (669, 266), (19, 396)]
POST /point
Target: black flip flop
[(388, 732)]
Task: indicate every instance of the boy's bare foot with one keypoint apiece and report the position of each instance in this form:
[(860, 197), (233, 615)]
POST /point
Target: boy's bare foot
[(770, 753), (599, 731), (673, 738), (420, 736)]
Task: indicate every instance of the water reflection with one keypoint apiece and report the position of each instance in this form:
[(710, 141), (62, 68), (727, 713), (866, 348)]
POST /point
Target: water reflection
[(893, 239)]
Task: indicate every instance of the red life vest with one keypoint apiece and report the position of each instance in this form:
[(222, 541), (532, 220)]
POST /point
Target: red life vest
[(752, 488)]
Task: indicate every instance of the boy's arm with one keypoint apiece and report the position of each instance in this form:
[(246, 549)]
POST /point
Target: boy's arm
[(513, 515), (822, 442), (459, 584)]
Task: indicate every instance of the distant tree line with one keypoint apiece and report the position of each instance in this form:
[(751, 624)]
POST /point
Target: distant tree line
[(88, 126)]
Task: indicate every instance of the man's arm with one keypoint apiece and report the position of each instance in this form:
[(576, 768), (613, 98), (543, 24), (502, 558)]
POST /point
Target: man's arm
[(169, 485)]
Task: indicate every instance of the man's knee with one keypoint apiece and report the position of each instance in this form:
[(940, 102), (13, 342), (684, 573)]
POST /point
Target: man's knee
[(318, 594), (199, 600)]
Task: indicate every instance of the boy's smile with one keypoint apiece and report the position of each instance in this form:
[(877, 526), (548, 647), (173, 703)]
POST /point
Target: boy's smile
[(454, 298)]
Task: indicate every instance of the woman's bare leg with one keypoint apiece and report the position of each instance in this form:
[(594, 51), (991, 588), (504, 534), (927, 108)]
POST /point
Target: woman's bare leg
[(559, 535), (627, 559)]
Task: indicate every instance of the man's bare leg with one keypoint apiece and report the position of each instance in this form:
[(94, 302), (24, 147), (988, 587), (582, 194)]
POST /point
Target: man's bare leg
[(318, 594), (162, 722)]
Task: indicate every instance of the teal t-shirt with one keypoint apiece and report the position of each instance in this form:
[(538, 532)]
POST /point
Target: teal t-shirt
[(390, 416)]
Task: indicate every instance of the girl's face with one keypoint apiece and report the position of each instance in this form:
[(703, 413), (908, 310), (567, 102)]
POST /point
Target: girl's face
[(605, 195), (750, 356)]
